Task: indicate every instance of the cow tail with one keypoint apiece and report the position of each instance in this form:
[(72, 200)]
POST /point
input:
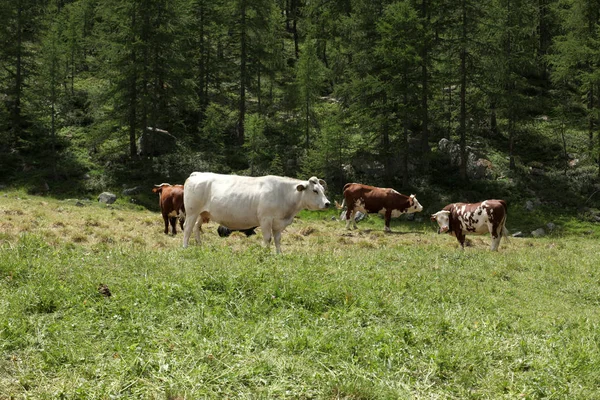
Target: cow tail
[(505, 233), (504, 230)]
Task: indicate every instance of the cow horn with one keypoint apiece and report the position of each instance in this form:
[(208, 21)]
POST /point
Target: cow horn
[(163, 184)]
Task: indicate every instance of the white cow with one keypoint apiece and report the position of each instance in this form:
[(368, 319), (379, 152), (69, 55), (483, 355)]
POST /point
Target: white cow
[(243, 202)]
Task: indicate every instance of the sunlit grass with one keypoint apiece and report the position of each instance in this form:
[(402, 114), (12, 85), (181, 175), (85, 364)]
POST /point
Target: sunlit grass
[(357, 314)]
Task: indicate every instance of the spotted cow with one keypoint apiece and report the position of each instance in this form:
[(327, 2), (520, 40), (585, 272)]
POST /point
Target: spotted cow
[(461, 219), (371, 199)]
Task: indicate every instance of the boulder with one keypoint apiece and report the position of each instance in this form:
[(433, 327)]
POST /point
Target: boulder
[(107, 197), (517, 234), (132, 191), (155, 142), (477, 168), (538, 232), (531, 205)]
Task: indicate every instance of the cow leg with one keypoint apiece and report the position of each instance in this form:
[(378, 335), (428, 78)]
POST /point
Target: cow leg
[(461, 239), (188, 227), (496, 235), (388, 217), (350, 217), (495, 243), (181, 220), (266, 227), (166, 219), (277, 237), (173, 221)]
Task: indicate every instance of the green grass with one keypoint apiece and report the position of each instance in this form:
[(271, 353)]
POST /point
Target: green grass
[(340, 315)]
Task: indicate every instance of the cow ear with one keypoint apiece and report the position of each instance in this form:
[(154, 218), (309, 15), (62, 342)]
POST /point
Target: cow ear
[(433, 218), (301, 187), (323, 183)]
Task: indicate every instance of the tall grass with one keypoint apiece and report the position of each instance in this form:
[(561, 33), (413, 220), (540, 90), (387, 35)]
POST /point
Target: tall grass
[(340, 315)]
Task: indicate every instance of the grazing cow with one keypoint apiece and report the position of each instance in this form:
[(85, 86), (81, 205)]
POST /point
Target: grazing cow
[(370, 199), (224, 231), (460, 219), (243, 202), (171, 205)]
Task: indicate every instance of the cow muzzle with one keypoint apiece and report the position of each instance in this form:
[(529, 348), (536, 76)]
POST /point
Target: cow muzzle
[(442, 229)]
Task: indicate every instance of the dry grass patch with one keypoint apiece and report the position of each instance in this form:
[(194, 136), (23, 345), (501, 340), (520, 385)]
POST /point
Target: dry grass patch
[(307, 230)]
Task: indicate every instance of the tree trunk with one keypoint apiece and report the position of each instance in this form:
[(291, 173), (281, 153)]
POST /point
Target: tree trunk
[(295, 27), (591, 124), (493, 121), (201, 67), (16, 109), (243, 72), (405, 149), (463, 96), (133, 95), (425, 91)]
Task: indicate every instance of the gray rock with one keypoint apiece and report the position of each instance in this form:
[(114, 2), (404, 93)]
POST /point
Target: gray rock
[(517, 234), (531, 205), (477, 168), (154, 142), (551, 226), (538, 232), (107, 197), (79, 204), (536, 171)]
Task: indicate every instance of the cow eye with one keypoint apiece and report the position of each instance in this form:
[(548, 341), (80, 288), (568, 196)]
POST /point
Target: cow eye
[(316, 191)]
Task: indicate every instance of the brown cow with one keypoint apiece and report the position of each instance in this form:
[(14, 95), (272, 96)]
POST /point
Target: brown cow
[(370, 199), (171, 205), (460, 219)]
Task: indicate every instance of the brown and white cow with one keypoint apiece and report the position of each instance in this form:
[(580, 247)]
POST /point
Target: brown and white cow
[(171, 205), (460, 219), (371, 199)]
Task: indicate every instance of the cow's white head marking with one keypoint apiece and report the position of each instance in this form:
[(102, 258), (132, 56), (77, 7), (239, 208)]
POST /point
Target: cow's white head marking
[(416, 206), (443, 220)]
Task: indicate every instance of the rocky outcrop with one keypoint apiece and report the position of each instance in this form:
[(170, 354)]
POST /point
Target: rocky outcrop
[(477, 168)]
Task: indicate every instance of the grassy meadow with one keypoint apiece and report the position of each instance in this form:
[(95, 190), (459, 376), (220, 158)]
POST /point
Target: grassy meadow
[(340, 315)]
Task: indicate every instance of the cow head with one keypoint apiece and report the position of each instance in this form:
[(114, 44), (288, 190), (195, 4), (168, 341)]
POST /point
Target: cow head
[(443, 220), (415, 206), (313, 192), (159, 188)]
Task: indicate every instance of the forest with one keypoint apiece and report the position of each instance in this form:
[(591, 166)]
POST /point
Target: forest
[(101, 94)]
